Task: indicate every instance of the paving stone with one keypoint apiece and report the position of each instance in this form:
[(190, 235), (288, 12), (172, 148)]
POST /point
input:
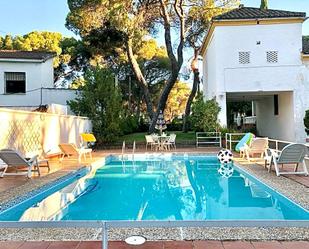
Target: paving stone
[(64, 244), (267, 245), (295, 244), (237, 245), (10, 244), (208, 244), (90, 245), (178, 245), (35, 245)]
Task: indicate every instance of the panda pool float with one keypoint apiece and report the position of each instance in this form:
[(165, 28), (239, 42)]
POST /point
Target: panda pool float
[(225, 158)]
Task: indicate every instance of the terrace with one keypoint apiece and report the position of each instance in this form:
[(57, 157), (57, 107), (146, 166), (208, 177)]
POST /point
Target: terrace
[(294, 187)]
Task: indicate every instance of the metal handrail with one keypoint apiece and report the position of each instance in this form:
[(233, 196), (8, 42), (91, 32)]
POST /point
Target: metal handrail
[(230, 141), (208, 135)]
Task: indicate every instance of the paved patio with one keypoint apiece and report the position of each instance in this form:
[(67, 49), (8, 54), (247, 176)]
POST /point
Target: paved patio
[(13, 183), (158, 245)]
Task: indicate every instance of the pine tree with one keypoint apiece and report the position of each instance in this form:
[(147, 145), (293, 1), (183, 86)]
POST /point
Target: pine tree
[(8, 42), (264, 4)]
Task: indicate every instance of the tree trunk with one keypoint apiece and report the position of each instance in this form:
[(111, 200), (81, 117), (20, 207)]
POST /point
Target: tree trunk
[(140, 78), (196, 82), (175, 63), (162, 101)]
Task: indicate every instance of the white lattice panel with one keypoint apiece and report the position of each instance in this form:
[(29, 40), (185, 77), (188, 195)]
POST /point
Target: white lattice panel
[(24, 135)]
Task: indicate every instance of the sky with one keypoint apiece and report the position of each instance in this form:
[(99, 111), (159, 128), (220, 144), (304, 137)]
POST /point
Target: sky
[(19, 17)]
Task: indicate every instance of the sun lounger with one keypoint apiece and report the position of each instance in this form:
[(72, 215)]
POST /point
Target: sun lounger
[(14, 159), (291, 154), (70, 150), (257, 146)]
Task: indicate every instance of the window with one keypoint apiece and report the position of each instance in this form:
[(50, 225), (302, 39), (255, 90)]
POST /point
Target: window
[(244, 57), (276, 105), (272, 56), (15, 83)]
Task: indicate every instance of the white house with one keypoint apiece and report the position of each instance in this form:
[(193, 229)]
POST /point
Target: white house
[(258, 55), (27, 80)]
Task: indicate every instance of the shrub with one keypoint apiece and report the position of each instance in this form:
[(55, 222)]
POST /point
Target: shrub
[(204, 115), (306, 122), (99, 99), (129, 125), (175, 125)]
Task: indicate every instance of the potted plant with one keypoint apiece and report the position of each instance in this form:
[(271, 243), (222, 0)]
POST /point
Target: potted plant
[(306, 123)]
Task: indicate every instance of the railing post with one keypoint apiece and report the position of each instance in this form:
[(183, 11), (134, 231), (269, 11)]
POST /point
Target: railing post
[(230, 141), (104, 236)]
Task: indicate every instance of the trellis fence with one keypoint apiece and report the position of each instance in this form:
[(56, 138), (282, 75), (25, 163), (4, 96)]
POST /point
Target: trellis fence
[(33, 131)]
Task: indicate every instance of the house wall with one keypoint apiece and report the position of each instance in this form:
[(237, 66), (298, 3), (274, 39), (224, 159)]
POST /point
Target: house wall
[(227, 75), (280, 126), (38, 75), (43, 96), (31, 131)]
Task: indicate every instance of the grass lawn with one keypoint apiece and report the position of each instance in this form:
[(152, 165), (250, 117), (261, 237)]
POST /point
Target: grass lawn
[(140, 137)]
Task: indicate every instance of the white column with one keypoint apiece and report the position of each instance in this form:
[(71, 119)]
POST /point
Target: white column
[(253, 108)]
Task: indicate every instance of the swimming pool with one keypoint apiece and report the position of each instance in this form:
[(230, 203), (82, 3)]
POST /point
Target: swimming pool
[(160, 187)]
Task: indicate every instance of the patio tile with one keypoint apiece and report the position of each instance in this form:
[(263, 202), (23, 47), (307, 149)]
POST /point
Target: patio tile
[(90, 245), (10, 244), (63, 244), (267, 245), (178, 245), (123, 245), (208, 244), (237, 245), (295, 244), (35, 245)]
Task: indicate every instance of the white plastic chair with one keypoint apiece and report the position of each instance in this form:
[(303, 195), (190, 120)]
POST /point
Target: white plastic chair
[(291, 154), (171, 142)]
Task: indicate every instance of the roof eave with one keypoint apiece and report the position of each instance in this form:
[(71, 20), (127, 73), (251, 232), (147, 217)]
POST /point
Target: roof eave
[(24, 60), (244, 22)]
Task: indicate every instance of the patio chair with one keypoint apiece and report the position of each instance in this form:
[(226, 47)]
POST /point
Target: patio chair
[(13, 159), (71, 150), (171, 142), (291, 154), (88, 140), (257, 146), (150, 141)]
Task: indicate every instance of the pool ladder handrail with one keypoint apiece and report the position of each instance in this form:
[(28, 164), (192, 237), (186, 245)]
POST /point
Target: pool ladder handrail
[(133, 150), (123, 150)]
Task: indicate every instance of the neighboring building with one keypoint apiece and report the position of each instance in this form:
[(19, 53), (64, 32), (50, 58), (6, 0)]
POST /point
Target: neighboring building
[(258, 55), (27, 80)]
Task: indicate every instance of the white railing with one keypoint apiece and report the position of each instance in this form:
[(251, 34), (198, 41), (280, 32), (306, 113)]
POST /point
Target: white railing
[(277, 144), (273, 143), (230, 139), (208, 138), (250, 120)]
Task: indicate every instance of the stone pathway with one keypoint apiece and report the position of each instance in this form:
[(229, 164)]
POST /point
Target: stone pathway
[(158, 245)]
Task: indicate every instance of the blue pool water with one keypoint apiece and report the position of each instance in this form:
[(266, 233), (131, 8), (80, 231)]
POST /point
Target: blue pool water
[(162, 188)]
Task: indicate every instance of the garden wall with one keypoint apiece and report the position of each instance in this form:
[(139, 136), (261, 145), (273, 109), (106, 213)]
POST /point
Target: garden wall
[(31, 131)]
